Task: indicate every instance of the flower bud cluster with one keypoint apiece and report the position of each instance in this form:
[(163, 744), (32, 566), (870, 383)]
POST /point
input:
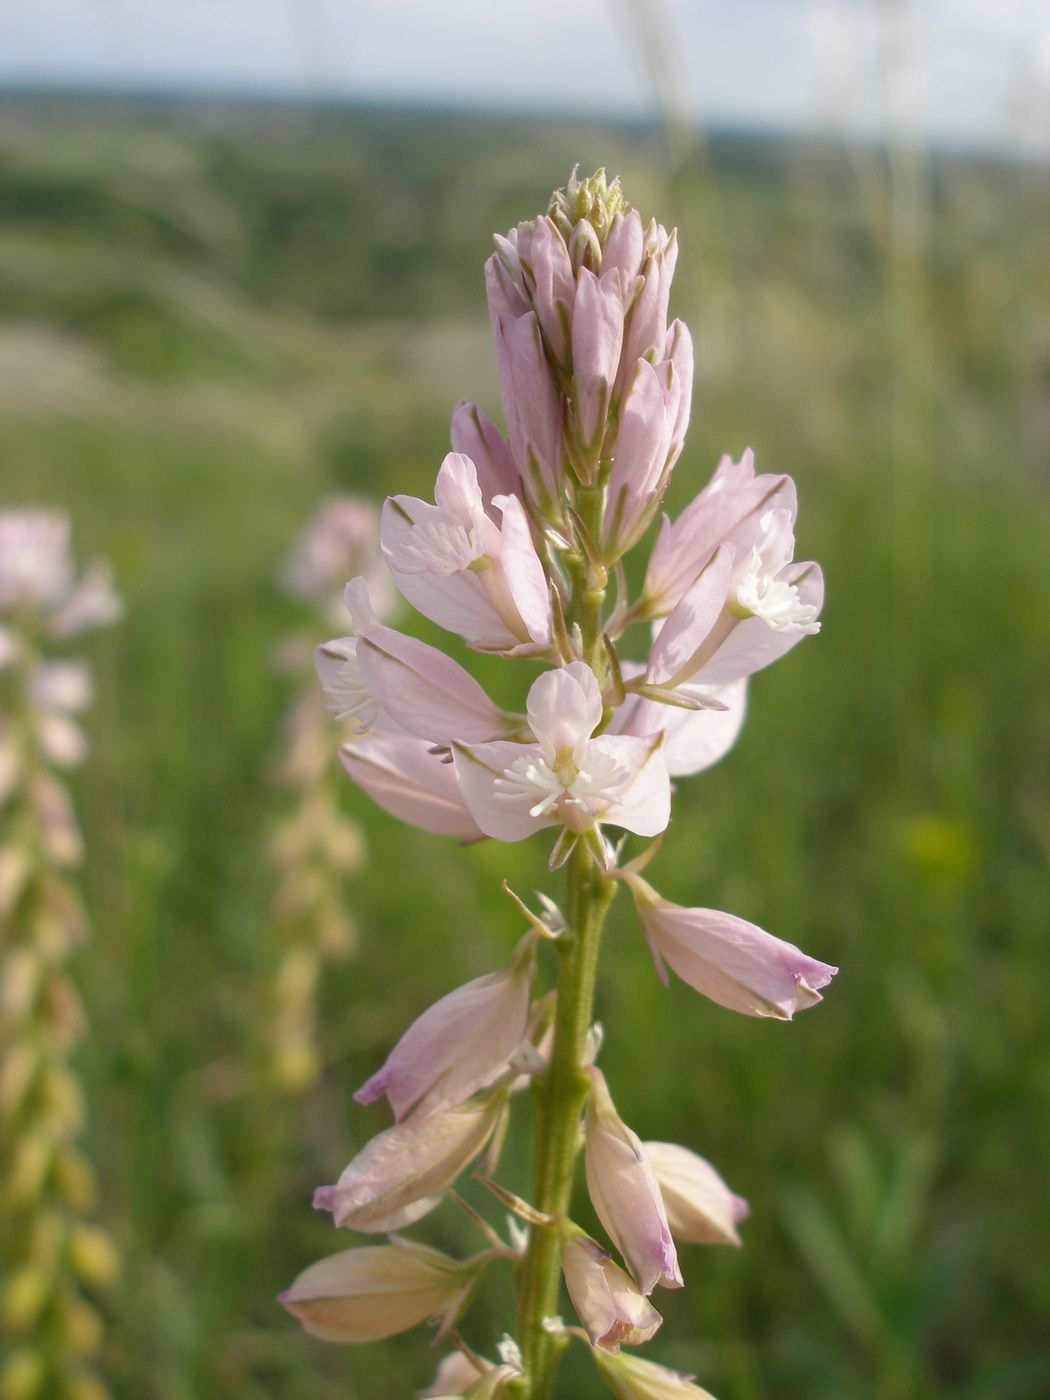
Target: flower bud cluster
[(514, 555), (315, 847), (51, 1255)]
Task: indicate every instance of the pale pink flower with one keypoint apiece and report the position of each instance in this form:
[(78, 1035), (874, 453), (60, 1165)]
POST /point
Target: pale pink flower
[(410, 781), (625, 1193), (735, 963), (455, 565), (748, 607), (403, 1173), (62, 685), (455, 1375), (566, 777), (463, 1043), (607, 1301), (700, 1207), (363, 1295), (733, 497), (633, 1378)]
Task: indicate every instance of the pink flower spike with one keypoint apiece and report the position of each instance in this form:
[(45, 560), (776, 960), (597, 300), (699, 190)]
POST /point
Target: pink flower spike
[(733, 962), (607, 1301), (408, 780), (403, 1173), (462, 1044), (566, 777), (625, 1193), (700, 1207)]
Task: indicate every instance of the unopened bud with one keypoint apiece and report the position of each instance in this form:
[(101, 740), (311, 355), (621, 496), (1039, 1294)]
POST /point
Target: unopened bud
[(633, 1378)]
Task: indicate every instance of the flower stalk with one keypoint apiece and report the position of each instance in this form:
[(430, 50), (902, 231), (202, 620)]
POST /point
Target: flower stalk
[(515, 554)]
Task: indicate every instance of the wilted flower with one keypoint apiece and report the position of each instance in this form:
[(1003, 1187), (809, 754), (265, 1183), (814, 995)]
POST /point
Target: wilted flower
[(363, 1295), (567, 776), (404, 1172), (625, 1192), (731, 961), (461, 1044), (632, 1378), (607, 1301), (700, 1207)]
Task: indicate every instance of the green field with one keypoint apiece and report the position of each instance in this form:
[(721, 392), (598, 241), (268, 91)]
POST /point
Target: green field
[(210, 316)]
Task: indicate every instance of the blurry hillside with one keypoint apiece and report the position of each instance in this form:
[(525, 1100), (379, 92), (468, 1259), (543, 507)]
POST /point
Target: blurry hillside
[(209, 317)]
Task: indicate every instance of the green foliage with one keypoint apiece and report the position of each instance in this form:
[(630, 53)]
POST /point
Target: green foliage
[(210, 317)]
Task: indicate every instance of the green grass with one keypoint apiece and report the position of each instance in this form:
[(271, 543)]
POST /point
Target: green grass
[(210, 317)]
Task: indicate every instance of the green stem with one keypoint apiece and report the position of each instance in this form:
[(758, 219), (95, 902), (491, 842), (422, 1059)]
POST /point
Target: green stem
[(561, 1093), (560, 1100)]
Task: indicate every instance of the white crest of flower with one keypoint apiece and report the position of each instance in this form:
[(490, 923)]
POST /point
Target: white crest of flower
[(758, 588)]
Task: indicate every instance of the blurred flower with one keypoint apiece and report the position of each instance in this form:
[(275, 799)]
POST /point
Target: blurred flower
[(461, 1044), (607, 1301), (700, 1207), (363, 1295), (625, 1192), (735, 963), (341, 542), (38, 575)]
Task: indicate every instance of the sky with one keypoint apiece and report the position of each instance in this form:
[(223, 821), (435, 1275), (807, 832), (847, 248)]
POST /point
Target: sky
[(963, 72)]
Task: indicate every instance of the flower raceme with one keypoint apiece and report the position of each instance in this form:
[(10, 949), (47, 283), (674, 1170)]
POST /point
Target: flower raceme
[(514, 556)]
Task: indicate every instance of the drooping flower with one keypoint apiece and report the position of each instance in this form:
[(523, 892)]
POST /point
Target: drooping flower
[(462, 1044), (700, 1207), (457, 566), (403, 1173), (625, 1192), (633, 1378), (607, 1301), (735, 963), (363, 1295), (566, 777)]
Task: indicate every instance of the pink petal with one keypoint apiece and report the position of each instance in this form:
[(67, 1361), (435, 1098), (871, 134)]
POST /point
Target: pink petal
[(753, 644), (407, 780), (425, 691), (692, 620)]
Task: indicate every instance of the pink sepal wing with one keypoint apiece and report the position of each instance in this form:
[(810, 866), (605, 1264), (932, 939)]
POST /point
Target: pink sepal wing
[(410, 782), (692, 621), (425, 691)]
